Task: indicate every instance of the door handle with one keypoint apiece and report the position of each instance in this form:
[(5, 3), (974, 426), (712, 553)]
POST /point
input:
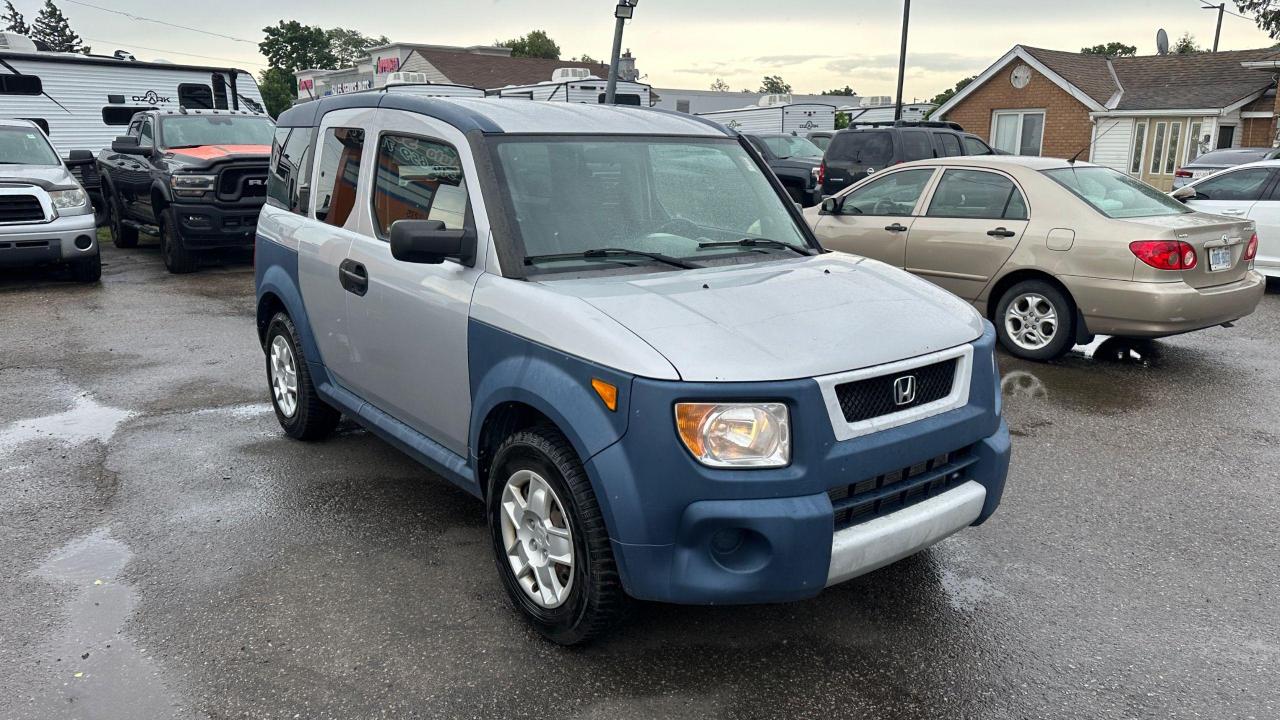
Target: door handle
[(1232, 212), (1001, 232), (353, 276), (896, 227)]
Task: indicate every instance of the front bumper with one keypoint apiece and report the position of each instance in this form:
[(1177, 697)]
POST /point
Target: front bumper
[(208, 226), (1150, 309), (687, 534), (48, 243)]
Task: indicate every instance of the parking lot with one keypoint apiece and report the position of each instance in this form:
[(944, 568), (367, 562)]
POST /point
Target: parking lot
[(166, 552)]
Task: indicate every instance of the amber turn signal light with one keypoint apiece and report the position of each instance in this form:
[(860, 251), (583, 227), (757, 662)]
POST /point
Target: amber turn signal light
[(608, 393)]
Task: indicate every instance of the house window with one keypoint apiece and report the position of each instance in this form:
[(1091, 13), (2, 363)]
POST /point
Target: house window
[(1157, 148), (1139, 147), (1171, 156), (1196, 143), (682, 106), (1019, 132)]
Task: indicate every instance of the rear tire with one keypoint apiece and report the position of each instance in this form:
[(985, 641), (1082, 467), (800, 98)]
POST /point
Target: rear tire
[(121, 235), (87, 271), (567, 604), (177, 258), (1035, 320), (301, 412)]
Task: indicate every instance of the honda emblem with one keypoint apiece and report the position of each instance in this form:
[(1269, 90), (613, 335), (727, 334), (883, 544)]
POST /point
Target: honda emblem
[(904, 390)]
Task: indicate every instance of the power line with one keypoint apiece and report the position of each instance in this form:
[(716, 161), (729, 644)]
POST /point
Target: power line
[(128, 45), (142, 18)]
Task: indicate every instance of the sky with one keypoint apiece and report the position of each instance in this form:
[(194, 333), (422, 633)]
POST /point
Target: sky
[(682, 44)]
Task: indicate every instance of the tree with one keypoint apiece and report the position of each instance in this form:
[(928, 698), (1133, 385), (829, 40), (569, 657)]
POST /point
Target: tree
[(279, 88), (52, 29), (585, 58), (720, 85), (842, 120), (844, 91), (1112, 49), (1186, 45), (947, 94), (773, 85), (13, 20), (349, 46), (536, 44), (293, 46), (1265, 12)]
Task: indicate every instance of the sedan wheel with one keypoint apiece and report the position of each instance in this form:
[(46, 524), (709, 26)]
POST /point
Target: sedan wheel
[(1035, 320), (1031, 321)]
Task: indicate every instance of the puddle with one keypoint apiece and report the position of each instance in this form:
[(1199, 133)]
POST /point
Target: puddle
[(96, 671), (1124, 351), (85, 421), (966, 594)]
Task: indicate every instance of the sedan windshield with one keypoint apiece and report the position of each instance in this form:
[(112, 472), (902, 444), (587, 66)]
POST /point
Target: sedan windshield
[(657, 202), (1115, 194), (195, 130), (785, 146), (25, 146)]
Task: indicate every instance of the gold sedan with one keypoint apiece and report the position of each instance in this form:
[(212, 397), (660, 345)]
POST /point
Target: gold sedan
[(1050, 251)]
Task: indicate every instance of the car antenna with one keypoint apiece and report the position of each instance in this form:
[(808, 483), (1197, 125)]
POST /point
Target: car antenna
[(1075, 157)]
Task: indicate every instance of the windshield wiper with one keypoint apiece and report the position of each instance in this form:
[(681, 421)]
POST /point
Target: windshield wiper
[(756, 242), (607, 253)]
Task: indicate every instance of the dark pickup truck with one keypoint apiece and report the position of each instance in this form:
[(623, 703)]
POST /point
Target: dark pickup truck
[(195, 178), (794, 160)]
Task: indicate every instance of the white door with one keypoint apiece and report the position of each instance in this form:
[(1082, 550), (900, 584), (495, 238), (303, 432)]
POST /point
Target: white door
[(1233, 192), (1266, 213)]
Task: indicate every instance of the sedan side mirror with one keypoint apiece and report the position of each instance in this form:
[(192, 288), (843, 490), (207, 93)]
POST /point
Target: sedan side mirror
[(429, 243), (1184, 193), (832, 206), (128, 145)]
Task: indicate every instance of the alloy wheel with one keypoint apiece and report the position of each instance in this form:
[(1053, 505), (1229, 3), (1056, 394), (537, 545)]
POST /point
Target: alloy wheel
[(284, 376), (537, 539), (1031, 321)]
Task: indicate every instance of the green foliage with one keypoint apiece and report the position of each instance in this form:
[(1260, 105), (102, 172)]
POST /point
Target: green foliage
[(844, 91), (585, 58), (536, 44), (773, 85), (842, 120), (947, 94), (720, 85), (13, 20), (1265, 12), (279, 88), (293, 46), (52, 29), (348, 46), (1112, 49), (1186, 45)]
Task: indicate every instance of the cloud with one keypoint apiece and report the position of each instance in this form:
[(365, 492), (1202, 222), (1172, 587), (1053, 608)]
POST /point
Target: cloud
[(785, 60), (937, 62)]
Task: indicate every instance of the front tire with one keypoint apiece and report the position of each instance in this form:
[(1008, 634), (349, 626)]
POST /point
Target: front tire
[(1035, 320), (121, 235), (177, 258), (550, 544), (301, 412)]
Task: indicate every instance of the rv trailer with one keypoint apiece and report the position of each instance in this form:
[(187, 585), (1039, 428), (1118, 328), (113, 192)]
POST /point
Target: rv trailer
[(870, 114), (83, 102), (577, 85), (776, 114), (416, 83)]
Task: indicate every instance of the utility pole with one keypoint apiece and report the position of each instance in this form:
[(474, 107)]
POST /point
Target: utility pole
[(1220, 7), (624, 11), (902, 57)]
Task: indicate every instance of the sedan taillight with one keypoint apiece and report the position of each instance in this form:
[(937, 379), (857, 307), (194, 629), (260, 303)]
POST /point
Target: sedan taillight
[(1251, 250), (1165, 254), (822, 172), (1182, 172)]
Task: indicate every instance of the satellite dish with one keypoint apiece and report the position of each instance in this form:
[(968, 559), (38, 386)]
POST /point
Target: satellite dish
[(1162, 42)]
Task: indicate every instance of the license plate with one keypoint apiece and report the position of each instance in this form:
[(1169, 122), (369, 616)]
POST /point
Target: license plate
[(1219, 258)]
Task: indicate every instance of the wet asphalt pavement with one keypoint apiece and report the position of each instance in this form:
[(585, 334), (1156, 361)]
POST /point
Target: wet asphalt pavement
[(166, 552)]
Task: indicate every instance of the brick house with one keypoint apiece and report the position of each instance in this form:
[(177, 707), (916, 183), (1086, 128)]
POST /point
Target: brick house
[(1146, 116)]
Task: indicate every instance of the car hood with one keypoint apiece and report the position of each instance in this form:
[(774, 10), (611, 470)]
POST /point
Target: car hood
[(49, 177), (203, 156), (795, 318)]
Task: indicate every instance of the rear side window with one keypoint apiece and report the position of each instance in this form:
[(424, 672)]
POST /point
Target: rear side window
[(20, 85), (290, 160), (341, 151), (977, 194), (418, 179), (949, 145), (121, 114), (1239, 185), (195, 96), (874, 148), (974, 146), (893, 194), (915, 145)]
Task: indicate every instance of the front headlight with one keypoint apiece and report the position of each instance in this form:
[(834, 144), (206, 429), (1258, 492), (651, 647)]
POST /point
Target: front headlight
[(736, 434), (192, 185), (69, 199)]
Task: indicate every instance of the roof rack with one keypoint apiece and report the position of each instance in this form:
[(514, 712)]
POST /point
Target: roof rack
[(909, 123)]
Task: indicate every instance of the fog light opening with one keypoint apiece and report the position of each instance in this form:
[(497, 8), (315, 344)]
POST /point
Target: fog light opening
[(84, 242), (739, 550)]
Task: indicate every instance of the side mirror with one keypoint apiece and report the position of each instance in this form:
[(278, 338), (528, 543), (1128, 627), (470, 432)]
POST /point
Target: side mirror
[(1184, 193), (429, 243), (832, 206), (79, 156), (128, 145)]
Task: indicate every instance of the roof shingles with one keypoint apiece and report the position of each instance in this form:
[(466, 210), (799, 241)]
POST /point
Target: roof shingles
[(494, 71)]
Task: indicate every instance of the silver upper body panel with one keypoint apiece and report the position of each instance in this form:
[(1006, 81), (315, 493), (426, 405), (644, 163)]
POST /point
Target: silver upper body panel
[(522, 117)]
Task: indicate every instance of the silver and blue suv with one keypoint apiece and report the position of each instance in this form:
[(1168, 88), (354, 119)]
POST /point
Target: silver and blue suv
[(613, 327), (45, 215)]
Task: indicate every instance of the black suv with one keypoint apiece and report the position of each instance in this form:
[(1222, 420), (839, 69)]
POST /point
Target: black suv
[(196, 178), (794, 160), (858, 152)]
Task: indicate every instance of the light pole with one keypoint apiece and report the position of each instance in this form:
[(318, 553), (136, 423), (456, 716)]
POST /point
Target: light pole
[(902, 57), (625, 10)]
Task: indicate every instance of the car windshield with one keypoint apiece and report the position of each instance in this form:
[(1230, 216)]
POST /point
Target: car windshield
[(196, 130), (1115, 194), (822, 141), (584, 200), (25, 146), (786, 146)]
